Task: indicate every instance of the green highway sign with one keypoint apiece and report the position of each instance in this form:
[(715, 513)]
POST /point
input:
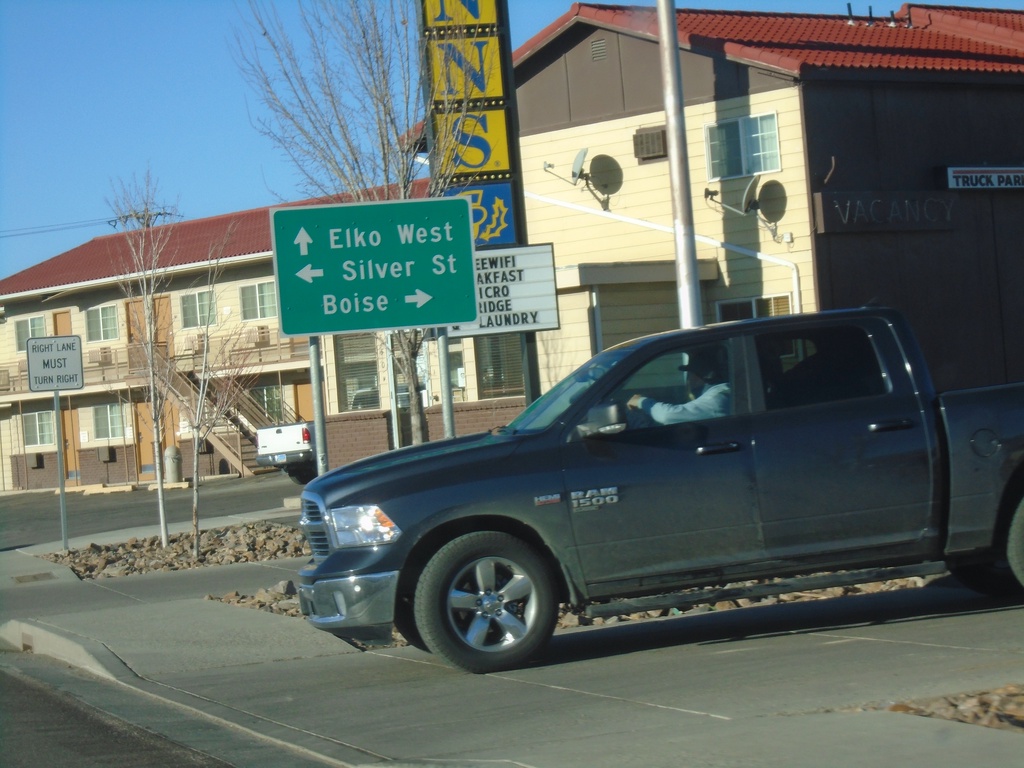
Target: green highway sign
[(374, 266)]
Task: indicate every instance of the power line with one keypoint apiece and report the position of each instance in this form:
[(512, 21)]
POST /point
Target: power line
[(42, 230)]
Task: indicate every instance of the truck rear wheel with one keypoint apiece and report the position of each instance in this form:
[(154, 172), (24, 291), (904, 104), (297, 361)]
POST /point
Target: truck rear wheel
[(486, 602), (1004, 578), (301, 474)]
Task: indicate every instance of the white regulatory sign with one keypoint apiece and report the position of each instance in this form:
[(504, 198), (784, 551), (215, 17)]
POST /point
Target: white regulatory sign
[(515, 291), (54, 363)]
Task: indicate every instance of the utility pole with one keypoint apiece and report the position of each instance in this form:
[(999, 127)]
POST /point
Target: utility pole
[(687, 280)]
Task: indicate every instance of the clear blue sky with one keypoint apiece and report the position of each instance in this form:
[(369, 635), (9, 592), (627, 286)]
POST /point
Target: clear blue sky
[(93, 92)]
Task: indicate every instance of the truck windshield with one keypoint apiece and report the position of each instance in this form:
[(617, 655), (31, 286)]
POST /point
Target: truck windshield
[(549, 407)]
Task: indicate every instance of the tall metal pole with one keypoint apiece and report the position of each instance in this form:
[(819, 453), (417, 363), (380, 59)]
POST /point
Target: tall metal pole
[(687, 280), (59, 429), (319, 419), (444, 364)]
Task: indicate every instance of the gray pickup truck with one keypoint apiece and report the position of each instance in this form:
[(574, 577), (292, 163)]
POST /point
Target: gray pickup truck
[(742, 459)]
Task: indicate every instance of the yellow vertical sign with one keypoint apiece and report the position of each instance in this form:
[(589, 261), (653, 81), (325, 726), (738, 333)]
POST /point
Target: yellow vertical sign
[(467, 87)]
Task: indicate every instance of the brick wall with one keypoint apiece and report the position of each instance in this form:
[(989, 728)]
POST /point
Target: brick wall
[(476, 416), (94, 470), (352, 436)]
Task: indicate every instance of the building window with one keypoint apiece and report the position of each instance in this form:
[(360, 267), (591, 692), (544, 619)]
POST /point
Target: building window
[(499, 365), (745, 309), (258, 301), (356, 361), (27, 328), (198, 310), (108, 421), (38, 428), (269, 399), (101, 323), (742, 147)]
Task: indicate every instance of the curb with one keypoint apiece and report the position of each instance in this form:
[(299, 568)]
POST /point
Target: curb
[(30, 636)]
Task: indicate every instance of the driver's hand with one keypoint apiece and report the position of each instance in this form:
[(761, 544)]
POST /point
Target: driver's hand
[(634, 401)]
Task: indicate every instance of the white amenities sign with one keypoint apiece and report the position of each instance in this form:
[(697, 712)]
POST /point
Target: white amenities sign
[(515, 291), (54, 363)]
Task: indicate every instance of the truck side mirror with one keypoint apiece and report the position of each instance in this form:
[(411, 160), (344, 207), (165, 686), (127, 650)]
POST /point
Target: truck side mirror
[(605, 419)]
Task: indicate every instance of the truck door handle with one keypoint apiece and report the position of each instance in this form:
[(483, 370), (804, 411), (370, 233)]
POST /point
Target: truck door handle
[(891, 426), (708, 450)]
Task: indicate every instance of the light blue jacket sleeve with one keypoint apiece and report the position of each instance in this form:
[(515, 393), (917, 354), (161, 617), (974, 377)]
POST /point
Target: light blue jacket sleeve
[(715, 401)]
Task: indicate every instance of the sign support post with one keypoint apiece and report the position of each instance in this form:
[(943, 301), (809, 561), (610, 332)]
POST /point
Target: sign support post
[(55, 363)]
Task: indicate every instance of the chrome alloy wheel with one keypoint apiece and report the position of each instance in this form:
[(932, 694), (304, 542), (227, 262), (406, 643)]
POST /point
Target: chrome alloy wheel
[(490, 604)]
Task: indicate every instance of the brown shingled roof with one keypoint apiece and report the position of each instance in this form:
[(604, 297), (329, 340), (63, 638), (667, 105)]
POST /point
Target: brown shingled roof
[(918, 38)]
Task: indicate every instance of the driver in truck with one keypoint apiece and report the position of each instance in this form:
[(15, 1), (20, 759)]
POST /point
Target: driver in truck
[(712, 396)]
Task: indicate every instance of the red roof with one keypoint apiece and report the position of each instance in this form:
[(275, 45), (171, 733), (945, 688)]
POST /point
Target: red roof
[(917, 37), (193, 242)]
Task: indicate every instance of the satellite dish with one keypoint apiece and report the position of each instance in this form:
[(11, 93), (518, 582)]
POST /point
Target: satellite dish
[(750, 196), (577, 166)]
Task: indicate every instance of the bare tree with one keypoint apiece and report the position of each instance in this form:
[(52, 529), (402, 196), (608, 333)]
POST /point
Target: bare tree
[(144, 277), (218, 377), (349, 109)]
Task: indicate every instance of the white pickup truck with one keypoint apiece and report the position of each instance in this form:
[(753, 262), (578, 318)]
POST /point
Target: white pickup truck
[(290, 448)]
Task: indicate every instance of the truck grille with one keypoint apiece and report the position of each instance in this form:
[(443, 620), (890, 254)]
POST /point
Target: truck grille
[(314, 527)]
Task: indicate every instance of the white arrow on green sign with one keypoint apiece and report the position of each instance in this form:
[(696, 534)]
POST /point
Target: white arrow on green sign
[(374, 266)]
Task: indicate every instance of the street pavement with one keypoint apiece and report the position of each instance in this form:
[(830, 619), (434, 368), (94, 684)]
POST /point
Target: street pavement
[(258, 689)]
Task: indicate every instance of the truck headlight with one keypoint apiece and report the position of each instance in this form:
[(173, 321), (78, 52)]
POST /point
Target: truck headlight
[(361, 526)]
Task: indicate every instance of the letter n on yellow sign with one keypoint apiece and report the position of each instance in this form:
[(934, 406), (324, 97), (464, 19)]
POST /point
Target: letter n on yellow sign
[(466, 68), (458, 13)]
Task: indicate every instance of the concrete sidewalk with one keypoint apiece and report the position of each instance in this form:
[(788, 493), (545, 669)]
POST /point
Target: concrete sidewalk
[(131, 631), (263, 678), (142, 625)]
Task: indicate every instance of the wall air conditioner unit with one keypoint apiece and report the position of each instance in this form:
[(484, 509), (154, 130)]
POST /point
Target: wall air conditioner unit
[(101, 356), (35, 461), (106, 454), (650, 144), (262, 335)]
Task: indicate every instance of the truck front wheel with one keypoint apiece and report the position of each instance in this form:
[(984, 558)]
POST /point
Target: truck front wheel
[(486, 602), (1015, 544)]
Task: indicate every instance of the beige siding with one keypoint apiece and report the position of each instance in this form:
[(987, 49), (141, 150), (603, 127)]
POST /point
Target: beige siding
[(594, 236), (633, 309), (563, 350)]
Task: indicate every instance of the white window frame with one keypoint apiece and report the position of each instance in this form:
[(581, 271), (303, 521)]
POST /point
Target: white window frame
[(26, 328), (193, 303), (264, 308), (105, 322), (760, 306), (755, 157), (36, 418), (270, 398), (112, 428)]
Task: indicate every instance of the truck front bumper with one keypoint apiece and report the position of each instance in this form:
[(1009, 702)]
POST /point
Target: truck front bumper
[(353, 607)]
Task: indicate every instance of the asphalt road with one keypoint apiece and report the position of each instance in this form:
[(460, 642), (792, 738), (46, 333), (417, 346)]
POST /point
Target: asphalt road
[(41, 725), (34, 517)]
